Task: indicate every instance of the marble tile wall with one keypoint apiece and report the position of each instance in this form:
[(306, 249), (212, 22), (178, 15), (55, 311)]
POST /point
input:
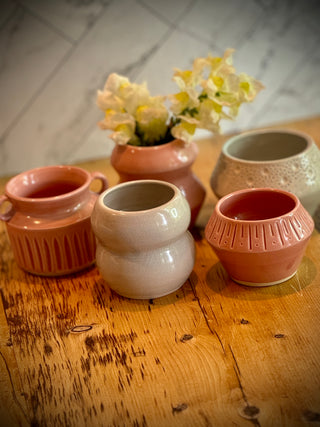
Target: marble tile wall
[(56, 54)]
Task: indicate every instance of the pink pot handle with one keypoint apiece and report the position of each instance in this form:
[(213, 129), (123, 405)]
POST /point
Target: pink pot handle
[(102, 178), (6, 216)]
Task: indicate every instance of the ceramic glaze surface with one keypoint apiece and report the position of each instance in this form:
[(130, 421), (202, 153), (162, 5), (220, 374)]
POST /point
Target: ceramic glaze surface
[(287, 160), (48, 222), (259, 235), (143, 247), (169, 162)]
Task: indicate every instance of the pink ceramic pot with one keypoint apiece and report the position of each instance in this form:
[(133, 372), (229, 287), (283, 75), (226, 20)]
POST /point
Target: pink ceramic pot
[(48, 222), (259, 235), (169, 162)]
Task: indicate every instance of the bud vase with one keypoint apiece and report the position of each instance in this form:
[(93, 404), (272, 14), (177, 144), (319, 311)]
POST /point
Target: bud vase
[(143, 247), (169, 162)]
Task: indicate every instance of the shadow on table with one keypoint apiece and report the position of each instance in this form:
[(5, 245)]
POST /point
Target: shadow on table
[(219, 281), (316, 219)]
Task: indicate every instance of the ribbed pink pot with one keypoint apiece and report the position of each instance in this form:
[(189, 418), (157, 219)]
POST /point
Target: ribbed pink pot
[(169, 162), (259, 235), (48, 222)]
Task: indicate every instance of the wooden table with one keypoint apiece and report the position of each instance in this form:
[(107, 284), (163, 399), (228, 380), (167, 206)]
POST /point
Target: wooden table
[(214, 353)]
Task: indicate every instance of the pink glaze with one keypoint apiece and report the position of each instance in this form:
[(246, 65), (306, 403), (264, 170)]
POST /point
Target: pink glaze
[(48, 222), (259, 235), (169, 162)]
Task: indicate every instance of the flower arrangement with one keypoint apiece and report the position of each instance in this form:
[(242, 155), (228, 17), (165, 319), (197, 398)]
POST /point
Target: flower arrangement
[(209, 92)]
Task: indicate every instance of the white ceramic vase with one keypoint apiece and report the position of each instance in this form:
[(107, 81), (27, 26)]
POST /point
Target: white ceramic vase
[(143, 247), (285, 159)]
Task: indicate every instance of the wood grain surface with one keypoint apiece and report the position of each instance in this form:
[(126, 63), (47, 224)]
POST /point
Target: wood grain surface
[(73, 353)]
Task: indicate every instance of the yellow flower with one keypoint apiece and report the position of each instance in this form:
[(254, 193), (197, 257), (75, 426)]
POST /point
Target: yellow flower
[(218, 81), (110, 97), (185, 79), (115, 82), (209, 115), (134, 95), (184, 131), (119, 94), (107, 100), (183, 100), (221, 66), (123, 134), (209, 92), (199, 64), (249, 87), (114, 118), (152, 121)]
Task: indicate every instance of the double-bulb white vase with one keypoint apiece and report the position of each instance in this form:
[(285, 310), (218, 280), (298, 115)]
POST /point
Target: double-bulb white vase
[(144, 248)]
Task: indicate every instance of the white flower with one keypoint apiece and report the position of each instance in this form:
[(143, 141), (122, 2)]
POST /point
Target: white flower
[(123, 125), (186, 79), (109, 101), (183, 100), (115, 82), (152, 120), (184, 131), (123, 134), (113, 118), (209, 92), (134, 95), (110, 97), (249, 87)]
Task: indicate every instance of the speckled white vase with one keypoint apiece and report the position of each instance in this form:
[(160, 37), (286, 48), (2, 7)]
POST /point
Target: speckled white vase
[(143, 247), (285, 159)]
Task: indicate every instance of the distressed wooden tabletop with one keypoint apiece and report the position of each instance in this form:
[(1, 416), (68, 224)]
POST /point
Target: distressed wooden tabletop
[(214, 353)]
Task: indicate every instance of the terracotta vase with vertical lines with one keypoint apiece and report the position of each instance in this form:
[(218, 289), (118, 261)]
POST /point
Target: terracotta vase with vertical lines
[(48, 219), (259, 235)]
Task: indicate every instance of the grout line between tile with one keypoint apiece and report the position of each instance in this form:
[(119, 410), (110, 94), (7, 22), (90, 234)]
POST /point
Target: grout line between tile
[(48, 24), (37, 93), (10, 16), (285, 80), (162, 18)]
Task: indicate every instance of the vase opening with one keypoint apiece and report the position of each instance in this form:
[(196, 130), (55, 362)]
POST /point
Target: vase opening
[(138, 196), (48, 182), (257, 205), (267, 146)]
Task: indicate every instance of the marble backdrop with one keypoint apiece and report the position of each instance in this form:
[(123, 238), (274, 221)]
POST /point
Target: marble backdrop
[(56, 54)]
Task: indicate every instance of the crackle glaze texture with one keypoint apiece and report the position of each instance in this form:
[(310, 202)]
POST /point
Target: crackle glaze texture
[(287, 160), (48, 223), (259, 235), (143, 247)]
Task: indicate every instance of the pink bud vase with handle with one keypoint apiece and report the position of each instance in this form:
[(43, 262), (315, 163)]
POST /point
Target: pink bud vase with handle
[(48, 220), (259, 235)]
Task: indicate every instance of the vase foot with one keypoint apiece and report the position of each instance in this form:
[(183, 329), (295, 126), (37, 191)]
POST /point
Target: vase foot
[(253, 284)]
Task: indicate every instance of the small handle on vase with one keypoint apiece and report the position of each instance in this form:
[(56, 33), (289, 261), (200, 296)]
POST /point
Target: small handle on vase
[(102, 178), (8, 214)]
